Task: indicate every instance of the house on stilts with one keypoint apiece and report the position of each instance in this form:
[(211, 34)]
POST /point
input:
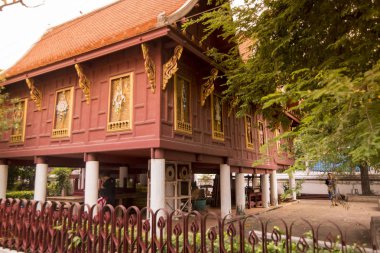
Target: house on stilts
[(124, 90)]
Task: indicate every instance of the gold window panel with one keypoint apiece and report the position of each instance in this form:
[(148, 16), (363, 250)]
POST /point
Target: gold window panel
[(120, 103), (261, 133), (217, 122), (63, 110), (248, 123), (182, 104), (19, 120), (278, 142)]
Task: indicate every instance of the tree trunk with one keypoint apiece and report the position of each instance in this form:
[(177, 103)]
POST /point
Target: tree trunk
[(366, 189)]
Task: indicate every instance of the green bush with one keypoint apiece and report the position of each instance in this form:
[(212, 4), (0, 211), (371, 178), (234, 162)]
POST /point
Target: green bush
[(20, 194)]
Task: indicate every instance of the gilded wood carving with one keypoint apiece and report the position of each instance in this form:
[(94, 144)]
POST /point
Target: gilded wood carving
[(170, 67), (233, 103), (208, 87), (83, 82), (35, 94), (150, 67)]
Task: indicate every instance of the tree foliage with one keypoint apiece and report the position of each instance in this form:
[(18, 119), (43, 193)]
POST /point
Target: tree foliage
[(322, 56), (62, 180)]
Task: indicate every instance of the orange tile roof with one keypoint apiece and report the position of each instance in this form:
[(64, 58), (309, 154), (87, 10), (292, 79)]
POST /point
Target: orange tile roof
[(102, 27)]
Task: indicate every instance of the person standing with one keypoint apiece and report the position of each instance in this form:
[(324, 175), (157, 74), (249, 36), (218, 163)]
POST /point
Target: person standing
[(331, 188), (108, 190)]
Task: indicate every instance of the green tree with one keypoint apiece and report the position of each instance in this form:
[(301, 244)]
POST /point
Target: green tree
[(62, 180), (21, 177), (322, 58)]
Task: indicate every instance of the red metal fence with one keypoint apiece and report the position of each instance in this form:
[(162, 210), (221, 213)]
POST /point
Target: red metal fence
[(30, 226)]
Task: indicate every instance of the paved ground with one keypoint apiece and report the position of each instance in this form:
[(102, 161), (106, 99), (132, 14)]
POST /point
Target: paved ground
[(354, 221)]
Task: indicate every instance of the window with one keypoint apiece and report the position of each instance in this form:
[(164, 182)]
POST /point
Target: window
[(182, 102), (217, 117), (62, 113), (19, 119), (120, 103), (248, 123), (261, 133), (278, 142)]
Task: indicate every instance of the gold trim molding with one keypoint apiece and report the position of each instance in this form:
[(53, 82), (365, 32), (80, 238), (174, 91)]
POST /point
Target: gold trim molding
[(150, 67), (83, 82), (208, 87), (35, 94), (171, 67)]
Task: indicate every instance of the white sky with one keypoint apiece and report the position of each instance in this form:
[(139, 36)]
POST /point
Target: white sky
[(21, 27)]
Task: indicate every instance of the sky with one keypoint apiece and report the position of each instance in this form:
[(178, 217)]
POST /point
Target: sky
[(21, 27)]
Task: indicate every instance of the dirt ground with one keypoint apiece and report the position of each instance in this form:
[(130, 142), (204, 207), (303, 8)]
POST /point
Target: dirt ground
[(353, 221)]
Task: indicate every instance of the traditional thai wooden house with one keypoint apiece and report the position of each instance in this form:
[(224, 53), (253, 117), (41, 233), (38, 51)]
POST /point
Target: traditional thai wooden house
[(125, 88)]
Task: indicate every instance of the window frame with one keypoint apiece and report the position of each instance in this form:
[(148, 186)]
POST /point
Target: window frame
[(189, 124), (117, 126), (217, 135), (63, 132)]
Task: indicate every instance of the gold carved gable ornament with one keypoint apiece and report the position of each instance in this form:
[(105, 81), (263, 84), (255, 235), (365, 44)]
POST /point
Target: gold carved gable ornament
[(150, 67), (83, 82), (35, 94), (208, 87), (171, 66)]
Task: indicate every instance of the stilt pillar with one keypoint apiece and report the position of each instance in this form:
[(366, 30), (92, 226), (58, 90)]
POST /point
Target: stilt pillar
[(91, 186), (273, 189), (3, 179), (157, 184), (265, 190), (40, 182), (225, 190), (292, 185), (123, 175), (240, 193)]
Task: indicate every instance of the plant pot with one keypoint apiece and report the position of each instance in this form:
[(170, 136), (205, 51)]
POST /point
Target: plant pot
[(199, 204)]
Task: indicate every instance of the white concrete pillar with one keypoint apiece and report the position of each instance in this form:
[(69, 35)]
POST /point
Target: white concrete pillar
[(157, 184), (123, 175), (225, 190), (82, 178), (3, 180), (292, 185), (265, 190), (273, 189), (240, 193), (40, 182), (91, 187)]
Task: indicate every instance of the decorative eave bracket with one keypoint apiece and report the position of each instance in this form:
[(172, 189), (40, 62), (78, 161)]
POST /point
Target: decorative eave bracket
[(150, 67), (35, 94), (83, 82), (208, 87), (170, 67), (233, 103)]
